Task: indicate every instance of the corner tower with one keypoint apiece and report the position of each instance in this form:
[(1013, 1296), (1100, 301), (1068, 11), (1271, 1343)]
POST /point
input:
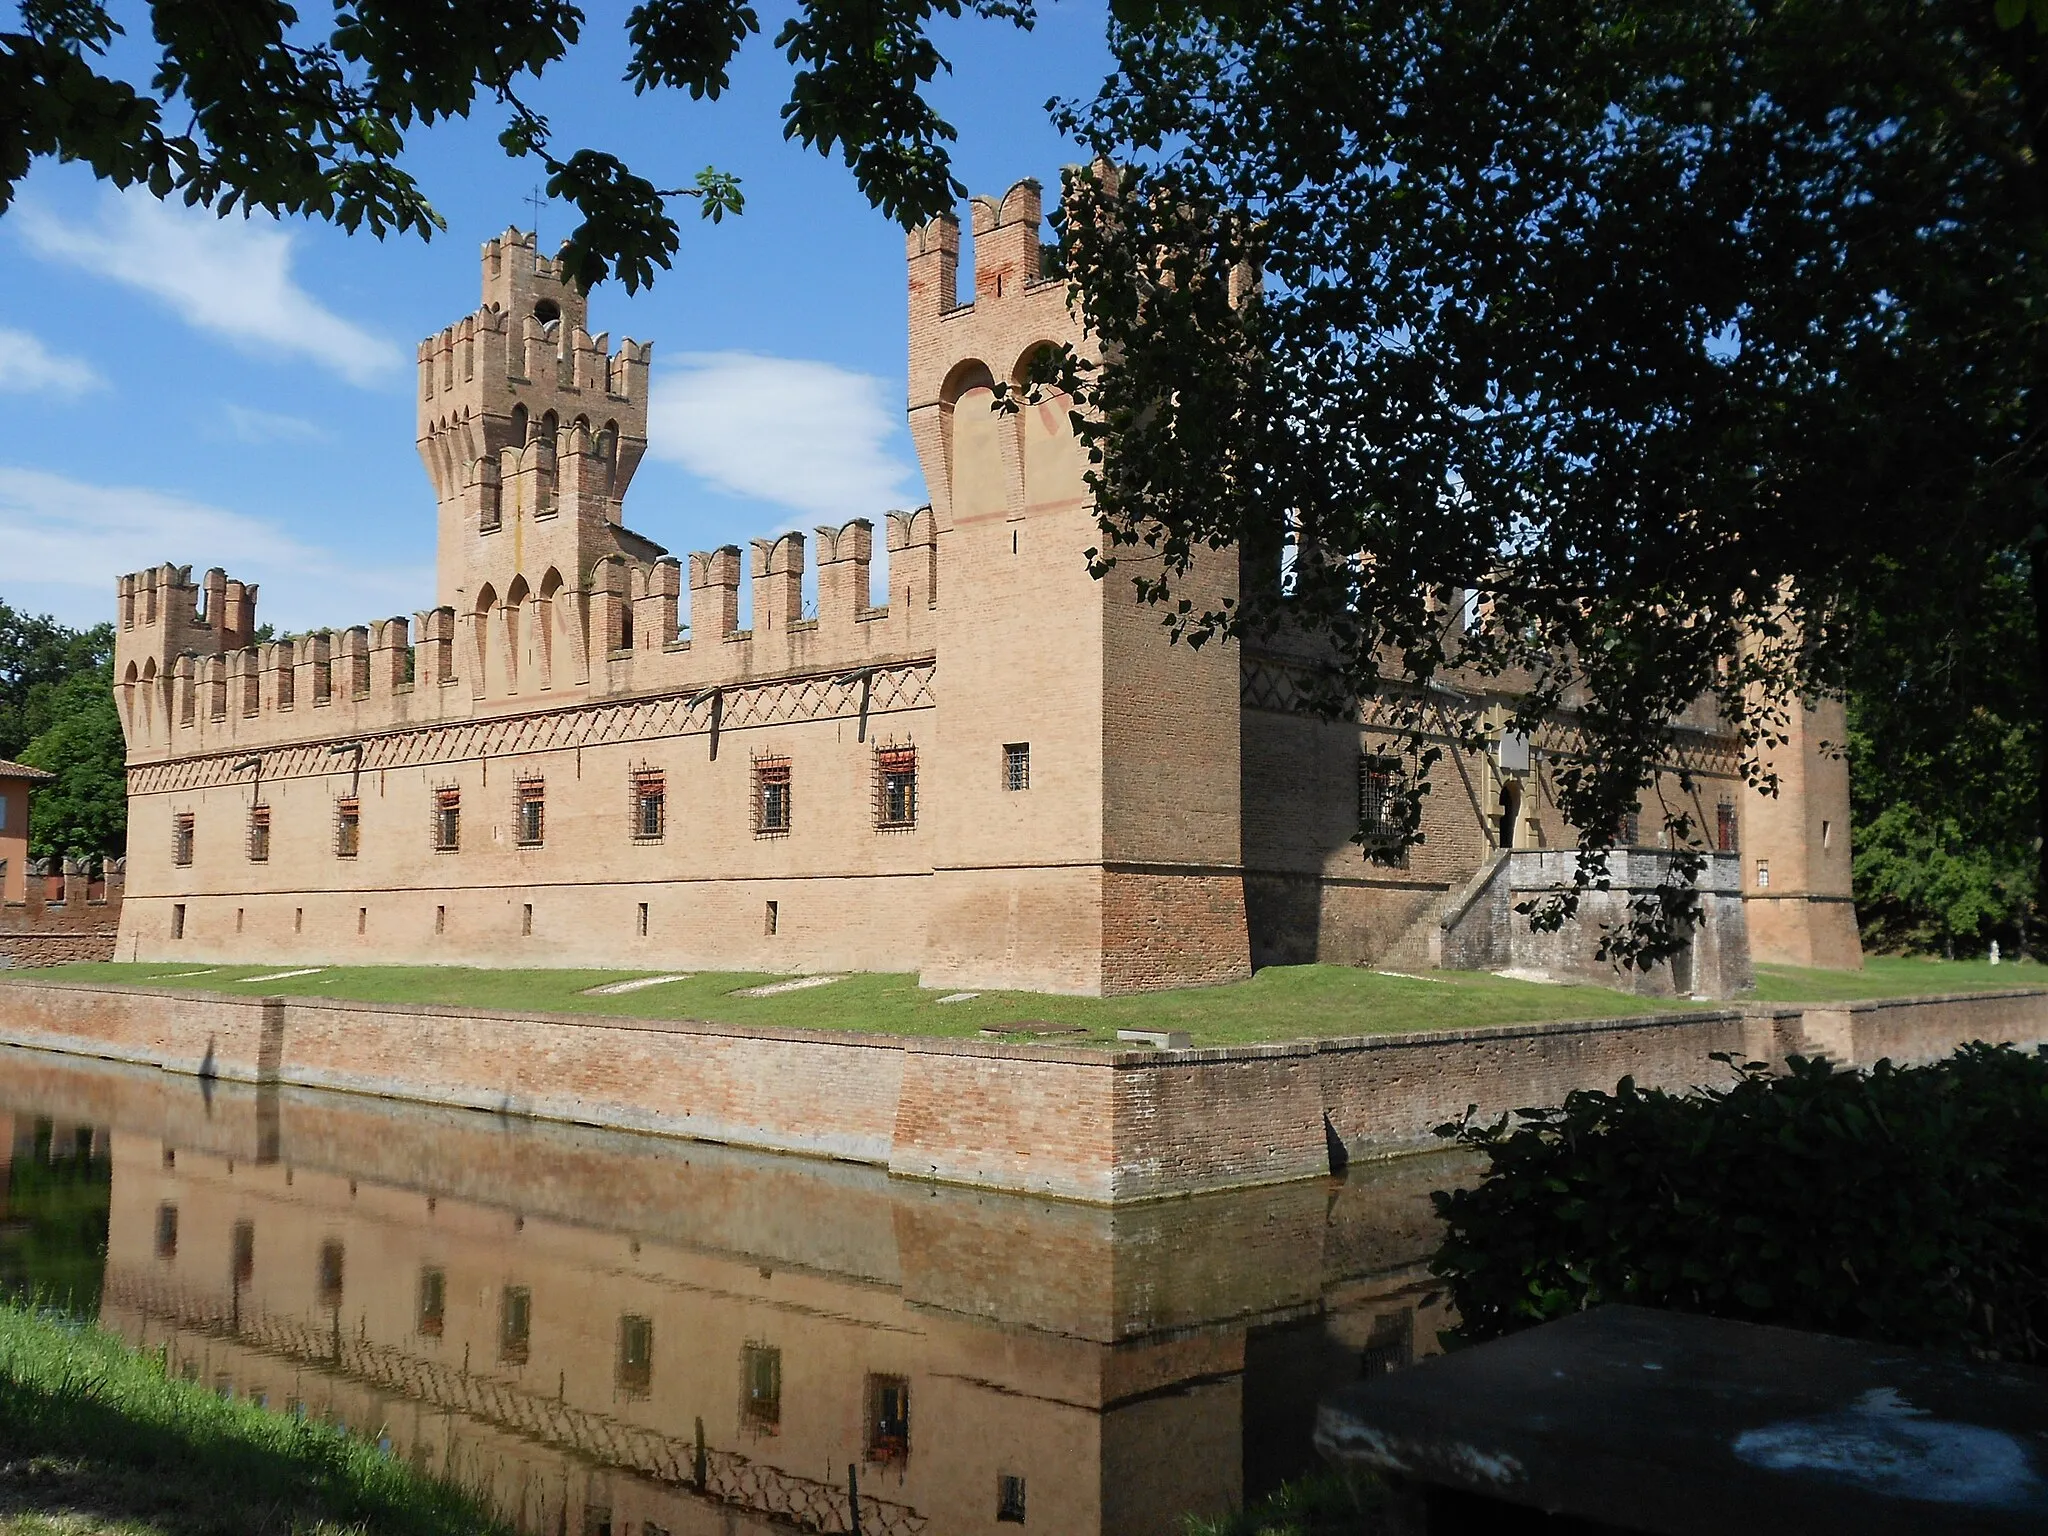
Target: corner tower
[(1086, 791), (530, 429)]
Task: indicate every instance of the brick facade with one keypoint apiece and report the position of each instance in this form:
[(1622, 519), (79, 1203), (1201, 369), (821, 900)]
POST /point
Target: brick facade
[(461, 787), (67, 914)]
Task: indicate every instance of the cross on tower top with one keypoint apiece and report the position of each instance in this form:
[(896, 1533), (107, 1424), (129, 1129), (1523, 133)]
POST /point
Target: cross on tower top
[(537, 200)]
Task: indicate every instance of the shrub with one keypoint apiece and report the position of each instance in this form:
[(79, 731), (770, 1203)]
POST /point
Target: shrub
[(1903, 1204)]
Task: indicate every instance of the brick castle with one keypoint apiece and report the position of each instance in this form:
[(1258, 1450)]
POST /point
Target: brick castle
[(1002, 776)]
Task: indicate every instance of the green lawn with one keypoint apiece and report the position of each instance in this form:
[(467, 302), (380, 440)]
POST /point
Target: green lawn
[(1279, 1003), (96, 1441)]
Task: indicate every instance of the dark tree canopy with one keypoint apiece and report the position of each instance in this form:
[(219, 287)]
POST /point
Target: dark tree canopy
[(254, 106), (57, 713), (1674, 330)]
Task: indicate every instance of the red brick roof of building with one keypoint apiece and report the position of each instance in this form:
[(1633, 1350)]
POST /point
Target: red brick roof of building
[(21, 771)]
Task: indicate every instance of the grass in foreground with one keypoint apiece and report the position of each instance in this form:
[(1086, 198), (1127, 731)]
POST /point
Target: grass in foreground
[(1282, 1002), (1318, 1504), (96, 1441)]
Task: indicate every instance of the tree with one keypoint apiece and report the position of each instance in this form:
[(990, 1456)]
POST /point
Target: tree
[(83, 812), (286, 116), (36, 655), (1672, 330)]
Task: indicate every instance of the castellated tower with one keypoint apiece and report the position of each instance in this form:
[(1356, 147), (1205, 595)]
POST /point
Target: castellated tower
[(530, 429), (1090, 771)]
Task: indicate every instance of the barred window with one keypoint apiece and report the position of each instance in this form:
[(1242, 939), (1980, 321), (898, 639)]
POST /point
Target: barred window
[(895, 787), (1727, 834), (761, 1387), (530, 823), (771, 797), (888, 1416), (1017, 765), (348, 828), (259, 834), (181, 838), (650, 806), (1382, 808), (447, 820), (1630, 832)]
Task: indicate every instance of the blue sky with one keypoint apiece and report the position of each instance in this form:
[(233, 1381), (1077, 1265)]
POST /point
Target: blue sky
[(240, 393)]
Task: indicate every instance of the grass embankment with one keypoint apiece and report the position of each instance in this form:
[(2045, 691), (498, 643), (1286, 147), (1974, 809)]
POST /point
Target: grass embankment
[(96, 1441), (1289, 1002)]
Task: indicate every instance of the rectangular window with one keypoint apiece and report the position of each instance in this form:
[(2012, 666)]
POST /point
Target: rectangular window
[(526, 920), (167, 1231), (650, 806), (239, 913), (298, 919), (433, 1302), (1827, 836), (771, 797), (440, 919), (259, 834), (242, 1253), (178, 920), (530, 823), (761, 1388), (1382, 809), (181, 838), (895, 788), (640, 921), (1017, 765), (447, 820), (348, 828), (1630, 833), (1763, 874), (636, 1355), (330, 1273), (888, 1437), (362, 919), (771, 919), (515, 1324), (1009, 1499), (1726, 832)]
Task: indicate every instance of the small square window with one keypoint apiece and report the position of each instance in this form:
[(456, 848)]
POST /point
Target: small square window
[(650, 806), (888, 1430), (1017, 765), (1009, 1499), (636, 1355), (348, 828), (447, 820), (895, 788), (433, 1302), (772, 805), (182, 832), (515, 1324), (761, 1388), (530, 825), (259, 834)]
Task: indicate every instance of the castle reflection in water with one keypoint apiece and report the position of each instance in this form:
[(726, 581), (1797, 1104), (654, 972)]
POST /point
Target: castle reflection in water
[(622, 1336)]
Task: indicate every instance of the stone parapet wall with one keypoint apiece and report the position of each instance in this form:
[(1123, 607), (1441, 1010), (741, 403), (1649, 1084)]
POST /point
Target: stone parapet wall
[(1078, 1124), (70, 915)]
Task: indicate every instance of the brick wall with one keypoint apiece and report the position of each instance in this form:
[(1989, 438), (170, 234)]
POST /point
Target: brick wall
[(67, 915), (1104, 1127)]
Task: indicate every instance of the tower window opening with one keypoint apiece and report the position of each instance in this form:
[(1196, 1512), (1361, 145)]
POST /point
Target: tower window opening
[(650, 806), (182, 833), (178, 920), (547, 311), (433, 1302), (772, 805), (515, 1324), (1727, 833), (640, 921), (895, 788), (447, 820), (348, 828), (531, 813), (1016, 765), (259, 834)]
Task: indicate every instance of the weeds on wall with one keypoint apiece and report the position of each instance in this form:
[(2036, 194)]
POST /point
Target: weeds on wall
[(1902, 1204)]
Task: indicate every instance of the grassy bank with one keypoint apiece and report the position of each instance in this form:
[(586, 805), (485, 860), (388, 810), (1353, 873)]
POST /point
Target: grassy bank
[(95, 1439), (1279, 1003)]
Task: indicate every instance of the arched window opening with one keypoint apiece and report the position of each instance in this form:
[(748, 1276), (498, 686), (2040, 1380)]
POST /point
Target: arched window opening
[(519, 426)]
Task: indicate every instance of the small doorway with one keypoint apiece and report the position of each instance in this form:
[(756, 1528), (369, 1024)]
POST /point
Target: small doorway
[(1510, 813)]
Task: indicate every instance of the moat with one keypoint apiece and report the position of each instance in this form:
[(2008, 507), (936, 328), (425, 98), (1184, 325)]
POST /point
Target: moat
[(628, 1336)]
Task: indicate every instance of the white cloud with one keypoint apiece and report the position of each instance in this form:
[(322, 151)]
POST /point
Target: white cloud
[(27, 367), (254, 426), (66, 541), (231, 276), (805, 436)]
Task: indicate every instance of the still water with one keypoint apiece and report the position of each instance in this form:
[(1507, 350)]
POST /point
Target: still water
[(622, 1336)]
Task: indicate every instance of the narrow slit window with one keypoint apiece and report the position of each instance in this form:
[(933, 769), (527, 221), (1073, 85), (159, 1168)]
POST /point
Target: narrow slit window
[(447, 820), (895, 788), (242, 1253), (183, 831), (259, 834), (433, 1302), (1009, 1499), (772, 797), (530, 813), (526, 920), (440, 919), (650, 806), (178, 920), (1017, 765), (771, 919), (330, 1273), (640, 921), (515, 1324), (348, 828), (167, 1231)]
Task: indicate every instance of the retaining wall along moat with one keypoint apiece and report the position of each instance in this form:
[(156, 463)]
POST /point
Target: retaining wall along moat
[(1075, 1123)]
